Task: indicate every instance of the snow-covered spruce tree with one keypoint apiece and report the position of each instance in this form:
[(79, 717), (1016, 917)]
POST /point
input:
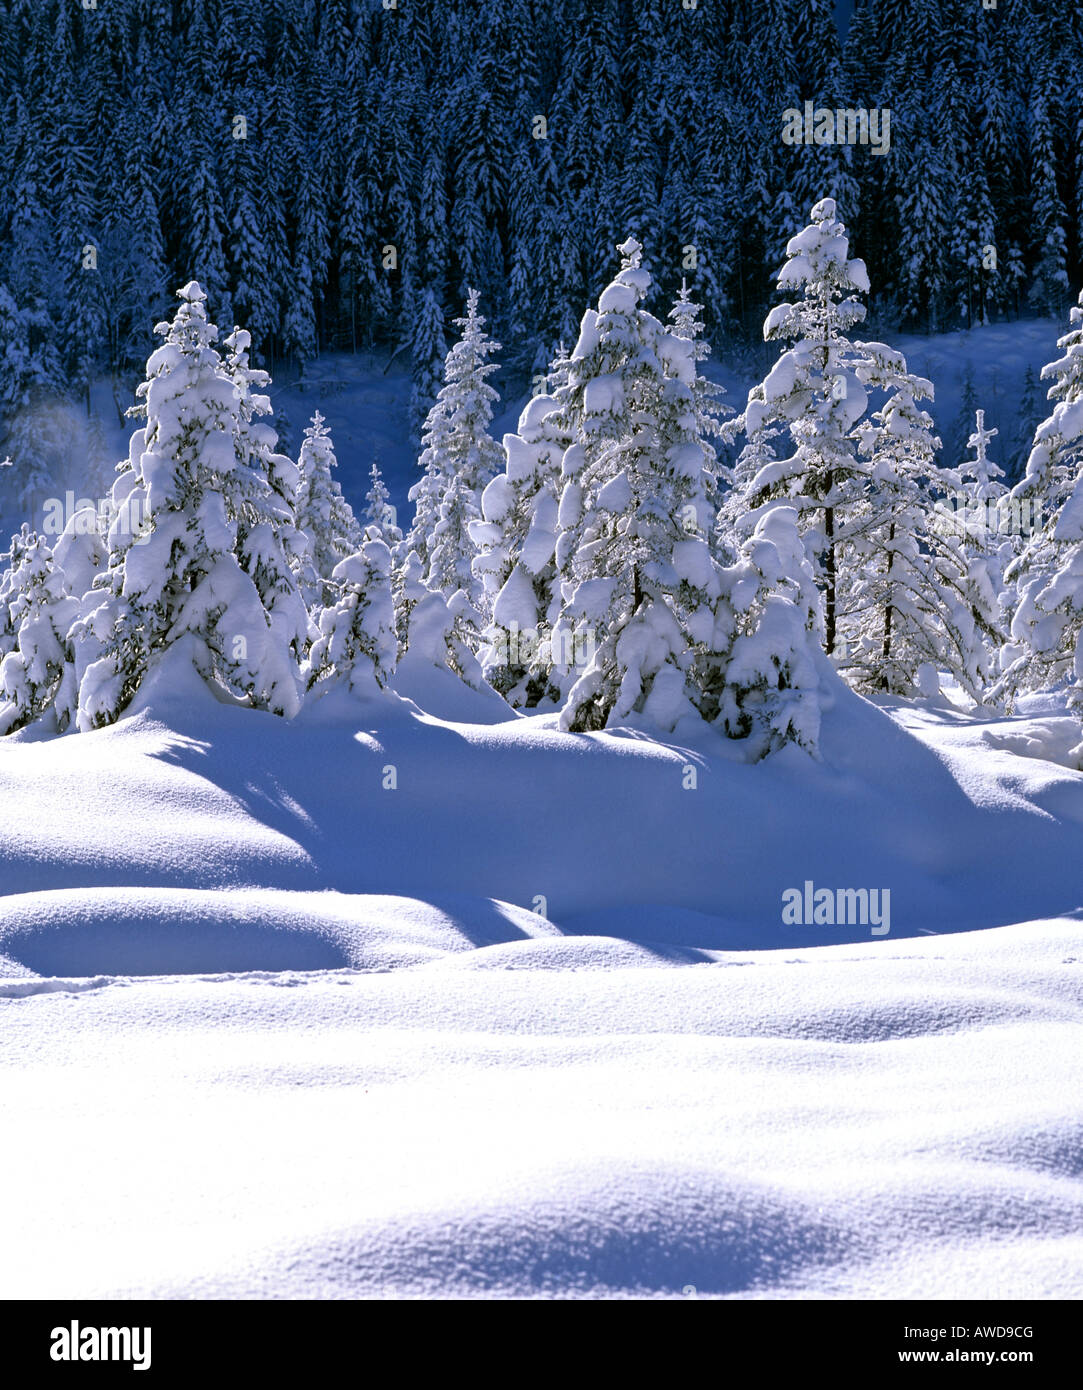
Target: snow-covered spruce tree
[(991, 525), (378, 510), (326, 525), (631, 573), (709, 421), (428, 625), (80, 551), (357, 641), (911, 604), (428, 350), (982, 475), (1030, 416), (960, 429), (12, 560), (1048, 619), (174, 569), (516, 543), (756, 668), (814, 391), (736, 520), (269, 544), (459, 457), (37, 676), (407, 590)]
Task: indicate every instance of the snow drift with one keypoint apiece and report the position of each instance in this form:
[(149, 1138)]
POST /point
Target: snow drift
[(527, 1023)]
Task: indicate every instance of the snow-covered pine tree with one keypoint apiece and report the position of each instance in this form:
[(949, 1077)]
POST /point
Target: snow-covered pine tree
[(407, 590), (1031, 414), (736, 518), (756, 668), (630, 571), (357, 641), (379, 512), (82, 317), (1048, 619), (1049, 289), (132, 261), (956, 440), (310, 253), (516, 542), (206, 230), (12, 560), (923, 207), (814, 391), (536, 216), (326, 525), (428, 625), (269, 545), (459, 458), (80, 551), (980, 472), (709, 412), (993, 530), (37, 676), (992, 534), (428, 349), (911, 603), (174, 569)]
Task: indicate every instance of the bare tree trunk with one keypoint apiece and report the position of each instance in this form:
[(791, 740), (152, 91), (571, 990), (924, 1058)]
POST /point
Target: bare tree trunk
[(830, 575), (889, 613)]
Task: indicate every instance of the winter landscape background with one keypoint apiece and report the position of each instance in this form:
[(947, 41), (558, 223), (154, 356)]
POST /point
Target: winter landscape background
[(555, 755)]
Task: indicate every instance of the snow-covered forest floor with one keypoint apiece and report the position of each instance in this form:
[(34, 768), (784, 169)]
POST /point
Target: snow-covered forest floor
[(275, 1030), (417, 995)]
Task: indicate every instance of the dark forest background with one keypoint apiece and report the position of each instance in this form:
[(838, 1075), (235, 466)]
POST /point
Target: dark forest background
[(414, 127)]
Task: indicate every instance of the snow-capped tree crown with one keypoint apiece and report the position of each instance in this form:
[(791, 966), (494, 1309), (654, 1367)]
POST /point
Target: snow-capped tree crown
[(326, 525), (208, 565), (459, 458)]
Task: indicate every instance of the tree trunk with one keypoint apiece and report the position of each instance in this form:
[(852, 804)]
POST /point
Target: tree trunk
[(830, 576), (889, 610)]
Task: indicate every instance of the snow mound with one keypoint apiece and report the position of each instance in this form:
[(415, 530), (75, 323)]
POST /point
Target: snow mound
[(1052, 739), (615, 833), (642, 1230), (442, 695), (887, 1120), (575, 953), (172, 931)]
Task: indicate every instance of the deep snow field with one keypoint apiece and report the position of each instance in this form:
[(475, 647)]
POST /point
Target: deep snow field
[(268, 1029), (530, 1023)]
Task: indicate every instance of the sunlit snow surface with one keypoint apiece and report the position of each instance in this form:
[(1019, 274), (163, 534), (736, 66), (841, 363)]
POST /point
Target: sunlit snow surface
[(268, 1029)]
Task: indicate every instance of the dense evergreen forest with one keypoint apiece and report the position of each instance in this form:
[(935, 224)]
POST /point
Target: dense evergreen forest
[(337, 173)]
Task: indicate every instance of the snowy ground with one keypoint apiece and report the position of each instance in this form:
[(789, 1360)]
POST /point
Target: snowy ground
[(875, 1121), (531, 1023), (269, 1029)]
